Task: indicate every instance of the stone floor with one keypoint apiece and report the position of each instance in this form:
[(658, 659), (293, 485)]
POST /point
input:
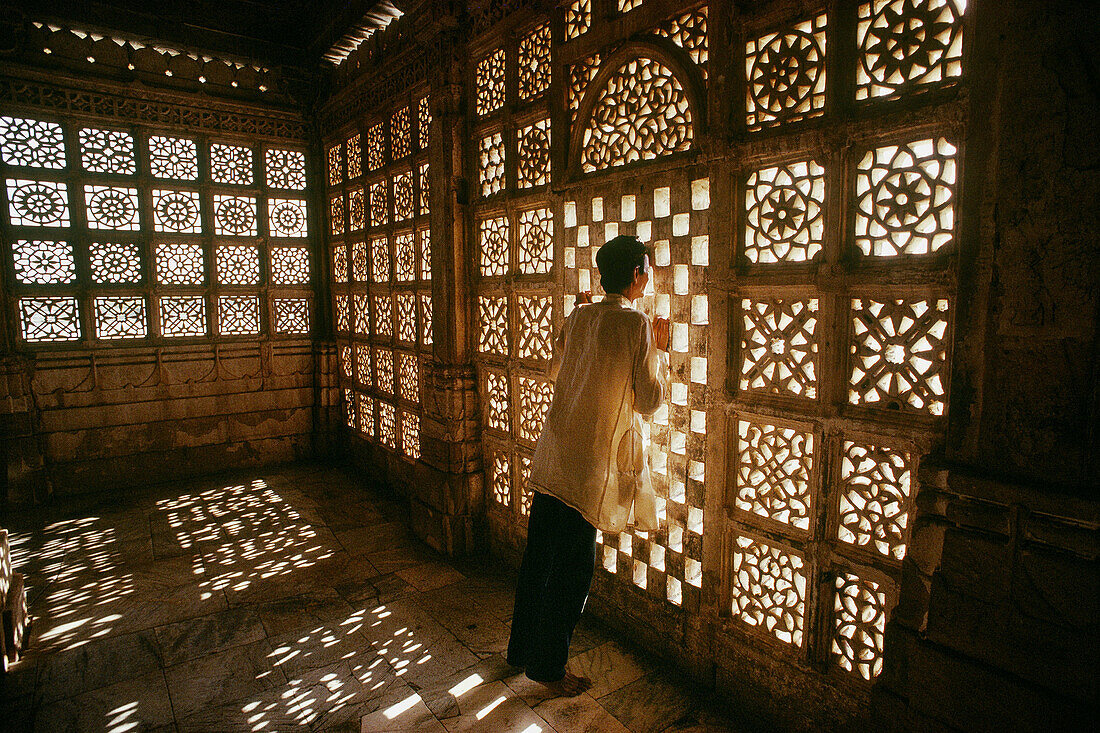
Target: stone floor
[(290, 598)]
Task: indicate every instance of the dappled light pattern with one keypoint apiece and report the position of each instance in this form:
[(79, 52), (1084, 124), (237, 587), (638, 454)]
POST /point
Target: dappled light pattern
[(246, 532)]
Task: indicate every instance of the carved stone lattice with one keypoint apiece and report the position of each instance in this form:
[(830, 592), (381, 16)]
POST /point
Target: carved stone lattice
[(493, 321), (500, 478), (402, 196), (490, 167), (424, 205), (336, 212), (290, 266), (361, 301), (349, 407), (535, 397), (533, 154), (287, 217), (115, 262), (366, 416), (534, 62), (784, 207), (379, 207), (180, 264), (380, 259), (231, 164), (173, 157), (625, 6), (285, 168), (860, 611), (340, 264), (408, 372), (383, 316), (387, 425), (112, 207), (425, 258), (406, 317), (404, 257), (107, 151), (689, 32), (489, 82), (786, 75), (410, 435), (769, 589), (360, 270), (423, 122), (37, 203), (774, 465), (31, 143), (641, 114), (535, 333), (578, 18), (335, 165), (376, 146), (235, 215), (874, 498), (49, 319), (499, 415), (238, 315), (363, 373), (400, 133), (238, 265), (383, 370), (120, 318), (347, 365), (357, 210), (778, 346), (580, 75), (536, 241), (526, 495), (291, 315), (342, 315), (40, 262), (176, 211), (899, 354), (493, 241), (907, 43), (905, 198), (183, 315), (355, 157), (425, 319)]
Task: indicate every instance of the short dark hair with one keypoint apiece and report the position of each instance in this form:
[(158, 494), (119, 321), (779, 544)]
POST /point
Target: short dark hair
[(617, 261)]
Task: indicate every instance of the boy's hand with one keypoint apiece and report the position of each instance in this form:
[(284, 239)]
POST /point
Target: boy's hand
[(660, 333), (585, 297)]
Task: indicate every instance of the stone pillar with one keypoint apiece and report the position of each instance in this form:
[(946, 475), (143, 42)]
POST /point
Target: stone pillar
[(446, 500)]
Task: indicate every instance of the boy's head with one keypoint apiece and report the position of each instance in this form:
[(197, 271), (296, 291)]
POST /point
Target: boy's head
[(618, 261)]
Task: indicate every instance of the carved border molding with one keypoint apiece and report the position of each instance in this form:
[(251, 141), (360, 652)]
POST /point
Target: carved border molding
[(151, 111)]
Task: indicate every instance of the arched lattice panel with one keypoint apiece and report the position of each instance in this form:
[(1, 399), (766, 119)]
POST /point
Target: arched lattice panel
[(644, 103)]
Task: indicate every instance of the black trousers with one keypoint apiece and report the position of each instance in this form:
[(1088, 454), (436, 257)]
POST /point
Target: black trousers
[(553, 585)]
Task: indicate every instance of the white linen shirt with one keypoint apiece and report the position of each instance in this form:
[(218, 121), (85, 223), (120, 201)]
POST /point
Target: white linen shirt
[(608, 375)]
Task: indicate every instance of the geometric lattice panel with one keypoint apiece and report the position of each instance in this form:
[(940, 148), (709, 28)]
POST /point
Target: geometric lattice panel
[(534, 63), (400, 134), (774, 466), (291, 315), (383, 316), (110, 207), (410, 435), (49, 319), (290, 266), (379, 259), (31, 143), (534, 335), (287, 217), (534, 399), (387, 424), (107, 151), (37, 203), (173, 157), (489, 82), (533, 154), (769, 589), (500, 478), (404, 263), (490, 169), (376, 146), (406, 317), (905, 198), (285, 168), (402, 196), (43, 262), (235, 215), (231, 164), (238, 315), (874, 498), (778, 348), (176, 211), (860, 611), (408, 377), (120, 317), (907, 43), (238, 265), (180, 264), (578, 18), (536, 241), (786, 74), (498, 414), (641, 114), (493, 239), (784, 220), (115, 262), (183, 315), (899, 354), (493, 317)]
